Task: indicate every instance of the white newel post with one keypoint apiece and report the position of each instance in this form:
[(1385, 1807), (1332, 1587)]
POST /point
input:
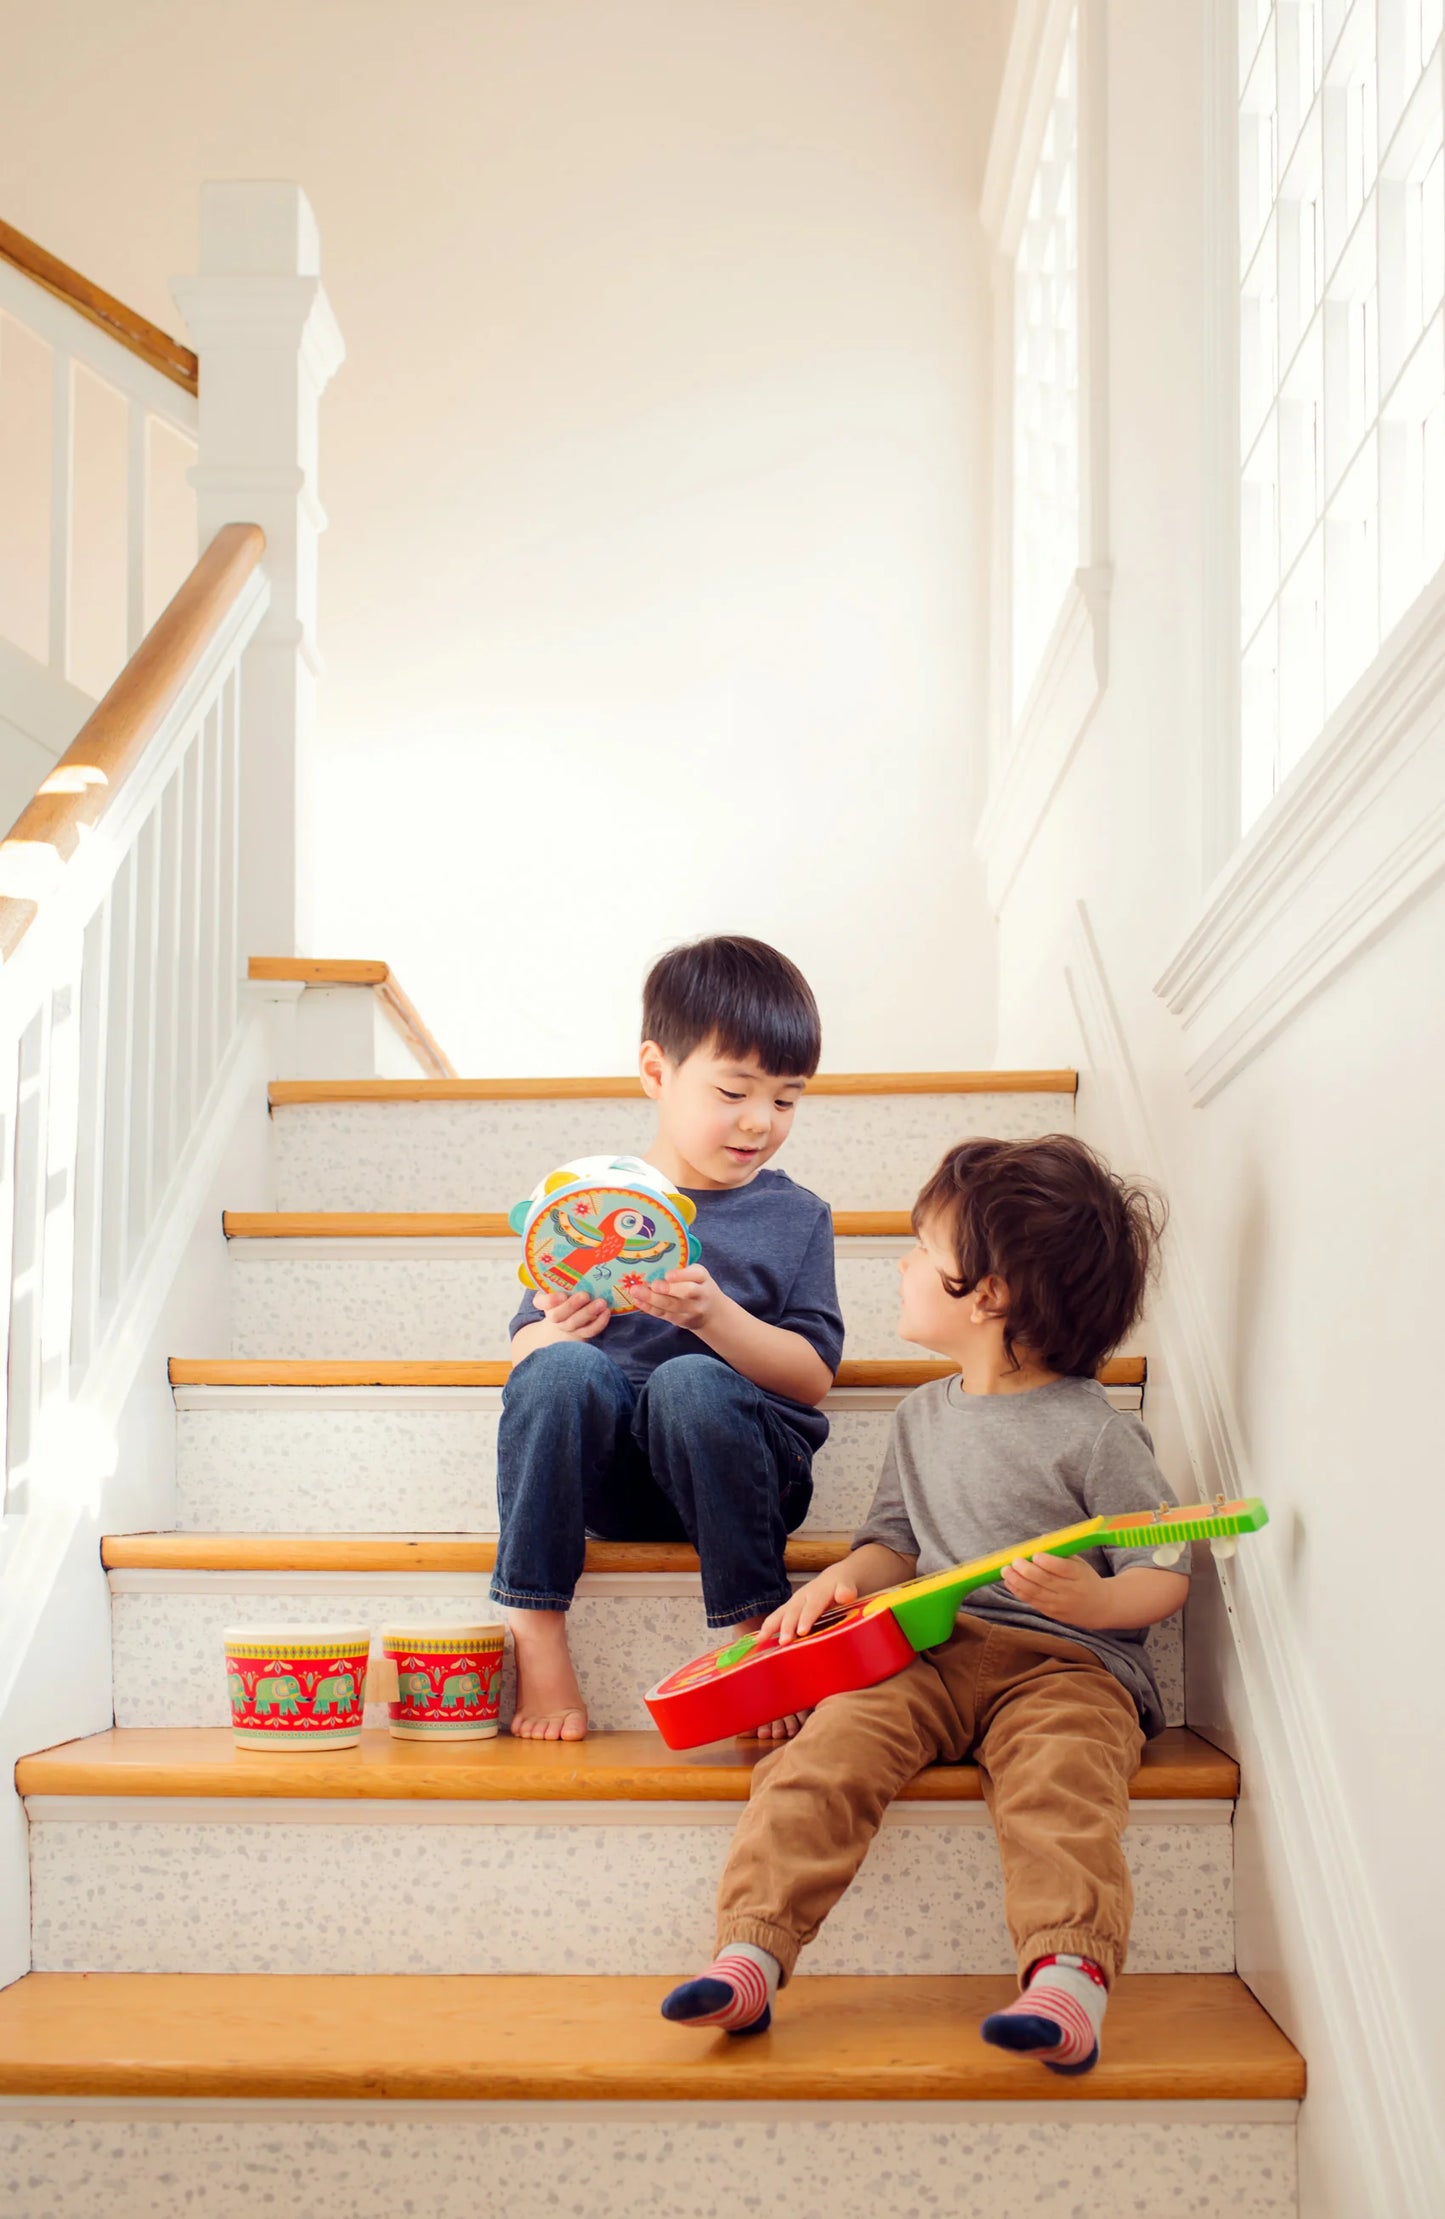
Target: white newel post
[(268, 345)]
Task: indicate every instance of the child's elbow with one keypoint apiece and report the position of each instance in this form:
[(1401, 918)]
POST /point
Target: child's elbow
[(822, 1383), (1173, 1594)]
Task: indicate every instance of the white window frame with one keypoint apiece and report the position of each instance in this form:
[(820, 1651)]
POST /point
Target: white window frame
[(1355, 830), (1031, 742)]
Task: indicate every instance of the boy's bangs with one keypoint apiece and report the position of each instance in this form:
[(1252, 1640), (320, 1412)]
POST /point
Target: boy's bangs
[(780, 1042), (738, 996)]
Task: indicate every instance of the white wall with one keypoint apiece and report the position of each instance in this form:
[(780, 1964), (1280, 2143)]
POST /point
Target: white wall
[(1308, 1212), (652, 599)]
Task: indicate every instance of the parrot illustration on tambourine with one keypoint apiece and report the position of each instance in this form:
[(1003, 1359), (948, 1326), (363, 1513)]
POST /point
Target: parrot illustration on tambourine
[(604, 1224)]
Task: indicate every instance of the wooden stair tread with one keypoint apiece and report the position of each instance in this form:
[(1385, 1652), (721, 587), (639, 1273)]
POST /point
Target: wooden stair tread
[(408, 2037), (271, 1371), (403, 1553), (634, 1767), (287, 1093), (473, 1225)]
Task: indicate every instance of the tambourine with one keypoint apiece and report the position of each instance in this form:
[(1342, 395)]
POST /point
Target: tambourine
[(604, 1226)]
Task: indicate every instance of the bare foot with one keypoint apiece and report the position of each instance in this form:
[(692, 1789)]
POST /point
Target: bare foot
[(781, 1729), (776, 1729), (549, 1698)]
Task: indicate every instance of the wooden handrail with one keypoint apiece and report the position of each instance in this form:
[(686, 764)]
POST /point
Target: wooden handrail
[(125, 325), (397, 1005), (85, 782)]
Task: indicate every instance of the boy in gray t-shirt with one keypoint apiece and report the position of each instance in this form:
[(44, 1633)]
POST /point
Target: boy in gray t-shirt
[(1031, 1265)]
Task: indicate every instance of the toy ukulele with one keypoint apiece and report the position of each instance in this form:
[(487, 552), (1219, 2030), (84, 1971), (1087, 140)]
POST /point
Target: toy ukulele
[(603, 1225), (733, 1689)]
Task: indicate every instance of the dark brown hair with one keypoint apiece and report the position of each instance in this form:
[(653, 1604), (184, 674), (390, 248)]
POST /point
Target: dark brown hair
[(1075, 1243), (740, 994)]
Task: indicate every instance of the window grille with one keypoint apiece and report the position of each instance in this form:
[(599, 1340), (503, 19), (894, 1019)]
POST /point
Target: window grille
[(1046, 384), (1342, 353)]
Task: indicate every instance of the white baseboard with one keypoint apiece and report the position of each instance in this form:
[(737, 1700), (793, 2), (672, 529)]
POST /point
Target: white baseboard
[(1346, 1985)]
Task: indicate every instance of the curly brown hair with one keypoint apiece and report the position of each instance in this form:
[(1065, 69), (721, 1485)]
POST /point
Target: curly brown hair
[(1076, 1244)]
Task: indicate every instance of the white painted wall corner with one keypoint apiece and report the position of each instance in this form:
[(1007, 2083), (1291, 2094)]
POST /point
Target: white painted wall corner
[(1342, 1996)]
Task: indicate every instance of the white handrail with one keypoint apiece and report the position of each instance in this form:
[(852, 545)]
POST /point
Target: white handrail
[(120, 998)]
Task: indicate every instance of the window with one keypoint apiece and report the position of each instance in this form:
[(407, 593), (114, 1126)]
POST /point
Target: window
[(1046, 384), (1342, 353)]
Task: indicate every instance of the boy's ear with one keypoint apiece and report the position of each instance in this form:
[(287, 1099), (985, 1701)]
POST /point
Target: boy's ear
[(989, 1297), (651, 1064)]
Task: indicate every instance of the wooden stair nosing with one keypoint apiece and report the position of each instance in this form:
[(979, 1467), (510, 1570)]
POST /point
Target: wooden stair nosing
[(309, 970), (403, 1553), (443, 1225), (386, 2038), (631, 1767), (291, 1093), (400, 1010), (266, 1371)]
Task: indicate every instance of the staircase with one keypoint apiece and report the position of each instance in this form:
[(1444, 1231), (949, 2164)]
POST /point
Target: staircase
[(413, 1979)]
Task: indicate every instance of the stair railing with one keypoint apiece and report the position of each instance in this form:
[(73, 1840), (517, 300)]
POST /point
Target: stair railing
[(120, 974), (107, 565)]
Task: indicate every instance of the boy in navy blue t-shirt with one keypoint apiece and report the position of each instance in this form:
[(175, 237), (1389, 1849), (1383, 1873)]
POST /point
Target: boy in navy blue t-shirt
[(698, 1417)]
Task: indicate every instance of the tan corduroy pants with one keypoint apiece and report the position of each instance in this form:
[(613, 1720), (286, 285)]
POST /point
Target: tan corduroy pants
[(1057, 1740)]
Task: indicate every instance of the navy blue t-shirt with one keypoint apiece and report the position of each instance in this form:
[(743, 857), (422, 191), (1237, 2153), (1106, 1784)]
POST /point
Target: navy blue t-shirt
[(770, 1246)]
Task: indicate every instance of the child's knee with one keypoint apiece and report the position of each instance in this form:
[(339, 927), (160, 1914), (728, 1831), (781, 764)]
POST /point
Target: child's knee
[(687, 1389), (561, 1368)]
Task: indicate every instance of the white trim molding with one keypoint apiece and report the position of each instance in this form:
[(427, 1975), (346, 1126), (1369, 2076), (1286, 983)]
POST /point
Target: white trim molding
[(1031, 742), (1355, 834), (1216, 803), (1373, 2066), (1067, 691)]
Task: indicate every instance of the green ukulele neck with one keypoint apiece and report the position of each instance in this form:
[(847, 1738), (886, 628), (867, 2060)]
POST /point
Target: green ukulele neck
[(926, 1608)]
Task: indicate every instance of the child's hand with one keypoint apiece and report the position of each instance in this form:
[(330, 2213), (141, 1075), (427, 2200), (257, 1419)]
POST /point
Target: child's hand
[(1061, 1587), (688, 1297), (806, 1606), (572, 1317)]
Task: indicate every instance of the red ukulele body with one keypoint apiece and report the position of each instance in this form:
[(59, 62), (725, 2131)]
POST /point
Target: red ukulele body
[(706, 1702)]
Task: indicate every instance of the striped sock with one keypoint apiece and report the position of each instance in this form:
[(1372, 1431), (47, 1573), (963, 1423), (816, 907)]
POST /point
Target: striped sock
[(1058, 2017), (735, 1992)]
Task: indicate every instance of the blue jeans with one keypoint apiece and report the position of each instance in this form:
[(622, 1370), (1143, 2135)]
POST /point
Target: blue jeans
[(697, 1453)]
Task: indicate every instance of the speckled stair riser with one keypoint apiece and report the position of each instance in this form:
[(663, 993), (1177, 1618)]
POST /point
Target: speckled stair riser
[(338, 1461), (694, 2162), (626, 1635), (454, 1303), (860, 1152), (332, 1467), (549, 1895)]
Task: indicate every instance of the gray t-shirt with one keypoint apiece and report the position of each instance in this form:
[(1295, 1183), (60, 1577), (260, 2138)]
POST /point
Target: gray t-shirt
[(769, 1245), (965, 1475)]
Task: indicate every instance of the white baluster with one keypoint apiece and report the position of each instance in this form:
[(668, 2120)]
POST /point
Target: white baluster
[(229, 985), (95, 986), (208, 950), (119, 1093), (143, 1034), (165, 1134), (27, 1254), (190, 1082), (62, 1107)]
